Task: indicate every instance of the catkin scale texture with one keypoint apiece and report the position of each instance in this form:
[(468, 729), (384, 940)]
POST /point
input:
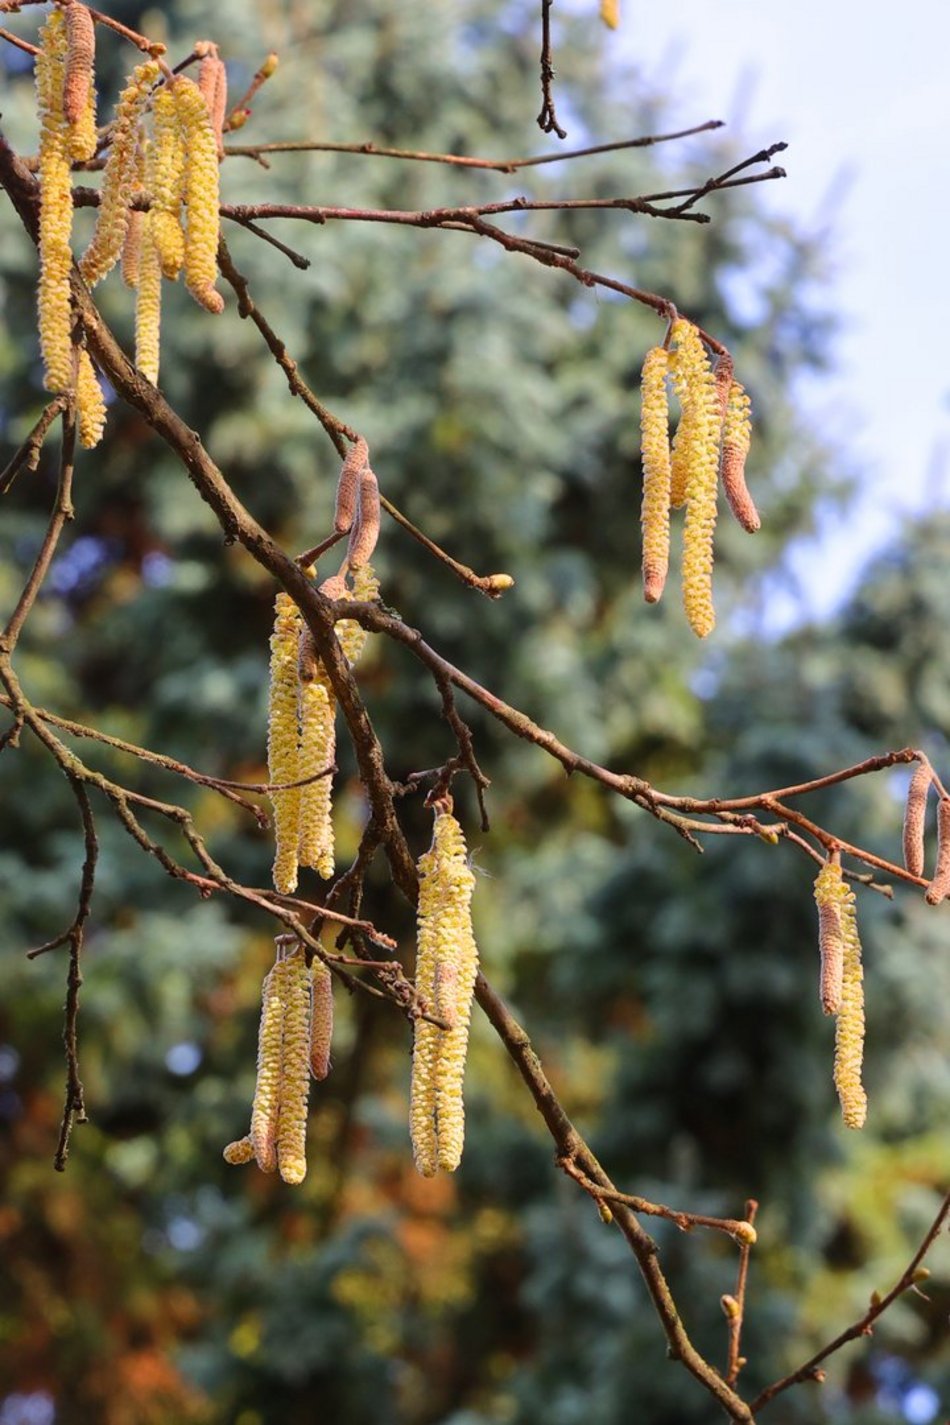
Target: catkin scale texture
[(56, 209), (90, 402), (655, 457), (915, 815), (164, 178), (283, 759), (240, 1151), (365, 532), (118, 179), (830, 892), (426, 1037), (849, 1028), (347, 490), (317, 707), (295, 1071), (695, 470), (736, 441), (148, 305), (321, 1019), (79, 93), (201, 195), (266, 1104), (939, 887)]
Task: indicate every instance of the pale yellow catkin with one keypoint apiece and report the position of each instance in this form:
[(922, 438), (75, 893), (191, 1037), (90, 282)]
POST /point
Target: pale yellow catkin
[(283, 758), (736, 442), (830, 893), (294, 1071), (915, 816), (655, 460), (240, 1151), (266, 1104), (321, 1019), (426, 1045), (201, 195), (148, 305), (939, 887), (164, 178), (118, 179), (79, 90), (56, 209), (849, 1028), (695, 470), (90, 402)]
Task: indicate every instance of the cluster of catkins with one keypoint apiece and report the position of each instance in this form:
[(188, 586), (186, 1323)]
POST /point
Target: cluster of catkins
[(711, 442), (174, 170), (293, 1045), (302, 714)]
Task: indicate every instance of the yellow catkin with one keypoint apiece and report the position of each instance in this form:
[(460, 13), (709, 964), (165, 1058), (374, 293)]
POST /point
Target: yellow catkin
[(655, 459), (118, 179), (610, 13), (79, 90), (348, 485), (164, 178), (266, 1105), (736, 441), (240, 1151), (695, 470), (132, 248), (352, 635), (56, 209), (283, 758), (321, 1019), (148, 306), (915, 816), (830, 893), (90, 402), (294, 1071), (849, 1035), (939, 887), (201, 195), (446, 967)]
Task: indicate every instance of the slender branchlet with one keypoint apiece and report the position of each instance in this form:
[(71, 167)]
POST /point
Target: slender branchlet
[(56, 208), (830, 891), (849, 1028), (118, 179), (283, 757), (321, 1019), (736, 440), (365, 533), (148, 305), (201, 195), (266, 1105), (90, 402), (348, 485), (915, 817), (164, 179), (79, 92), (655, 459), (294, 1070), (695, 470), (939, 887), (240, 1151)]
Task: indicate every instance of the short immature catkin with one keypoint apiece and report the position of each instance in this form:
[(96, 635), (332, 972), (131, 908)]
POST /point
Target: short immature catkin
[(939, 887), (695, 470), (321, 1019), (365, 533), (240, 1151), (830, 893), (56, 209), (849, 1029), (213, 83), (283, 760), (79, 91), (347, 490), (736, 440), (118, 179), (915, 817), (266, 1105), (164, 178), (148, 305), (446, 967), (201, 195), (294, 1070), (655, 459), (90, 402)]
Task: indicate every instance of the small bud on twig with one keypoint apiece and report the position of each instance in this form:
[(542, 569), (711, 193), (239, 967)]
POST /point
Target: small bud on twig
[(730, 1307)]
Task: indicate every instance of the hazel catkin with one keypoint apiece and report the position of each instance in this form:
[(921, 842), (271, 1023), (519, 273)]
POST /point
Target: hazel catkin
[(266, 1104), (164, 178), (148, 304), (915, 816), (201, 195), (655, 459), (736, 441), (283, 759), (119, 177), (294, 1087), (610, 13), (56, 209), (347, 490), (79, 92), (694, 473), (939, 887), (90, 402), (365, 533), (830, 892), (849, 1028), (321, 1019)]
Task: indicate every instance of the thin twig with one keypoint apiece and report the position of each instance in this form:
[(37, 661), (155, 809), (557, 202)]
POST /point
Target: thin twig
[(62, 512), (28, 456), (547, 119), (74, 1107), (736, 1316)]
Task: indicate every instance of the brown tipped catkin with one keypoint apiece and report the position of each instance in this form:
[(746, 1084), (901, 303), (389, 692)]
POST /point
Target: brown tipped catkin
[(830, 893), (132, 248), (736, 440), (321, 1019), (939, 887), (365, 533), (347, 490), (915, 816), (90, 402), (266, 1105), (294, 1071)]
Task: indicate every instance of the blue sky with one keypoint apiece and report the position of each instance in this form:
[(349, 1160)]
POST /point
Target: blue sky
[(861, 94)]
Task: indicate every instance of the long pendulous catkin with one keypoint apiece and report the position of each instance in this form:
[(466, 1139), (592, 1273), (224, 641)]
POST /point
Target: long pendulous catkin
[(446, 967), (321, 1019), (90, 402), (201, 195), (294, 1070), (148, 305), (118, 179), (283, 758), (939, 887), (915, 817), (79, 91), (164, 178), (56, 209), (849, 1027), (655, 459), (694, 470), (348, 485), (830, 892), (736, 441), (266, 1104)]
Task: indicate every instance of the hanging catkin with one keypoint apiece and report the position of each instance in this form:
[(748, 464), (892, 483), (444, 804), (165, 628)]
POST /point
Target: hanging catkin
[(148, 305), (90, 402), (213, 83), (939, 887), (201, 195), (321, 1019), (164, 178), (655, 459), (118, 179), (56, 208), (736, 441), (294, 1070), (365, 533), (347, 490), (283, 758), (830, 892), (266, 1104), (915, 816), (849, 1029), (446, 967), (240, 1151), (79, 91), (695, 470)]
